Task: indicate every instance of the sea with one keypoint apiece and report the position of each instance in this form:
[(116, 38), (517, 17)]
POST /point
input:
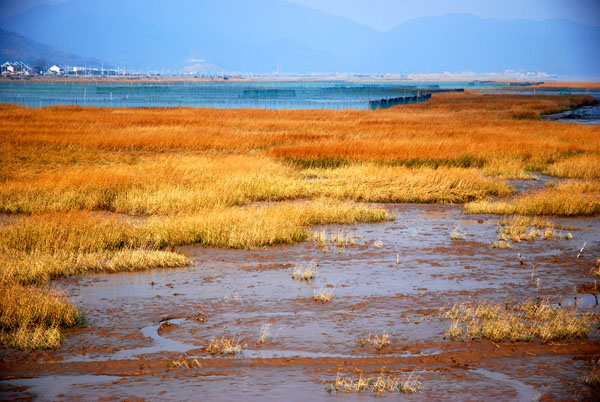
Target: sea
[(219, 94), (299, 94)]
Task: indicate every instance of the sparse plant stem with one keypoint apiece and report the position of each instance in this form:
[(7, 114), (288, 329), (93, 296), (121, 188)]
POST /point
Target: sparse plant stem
[(520, 259), (397, 258), (581, 250), (538, 291), (532, 272), (575, 295)]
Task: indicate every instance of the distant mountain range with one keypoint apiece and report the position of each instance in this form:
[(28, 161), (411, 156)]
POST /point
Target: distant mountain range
[(15, 47), (264, 35)]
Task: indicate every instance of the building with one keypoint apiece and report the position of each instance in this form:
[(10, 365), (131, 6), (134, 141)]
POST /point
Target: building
[(56, 70), (15, 68)]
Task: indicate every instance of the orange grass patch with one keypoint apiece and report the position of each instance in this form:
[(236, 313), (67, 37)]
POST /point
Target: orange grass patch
[(449, 127)]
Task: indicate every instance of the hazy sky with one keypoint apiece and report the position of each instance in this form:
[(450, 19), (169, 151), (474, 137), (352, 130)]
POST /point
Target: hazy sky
[(386, 14)]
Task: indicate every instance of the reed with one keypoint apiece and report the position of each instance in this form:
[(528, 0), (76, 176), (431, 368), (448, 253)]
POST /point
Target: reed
[(224, 345), (376, 341), (378, 385), (40, 267), (524, 322), (573, 198), (586, 166), (235, 227), (31, 317)]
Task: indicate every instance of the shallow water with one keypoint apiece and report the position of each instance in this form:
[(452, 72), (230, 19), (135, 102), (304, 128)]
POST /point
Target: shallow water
[(583, 115), (225, 95), (235, 292)]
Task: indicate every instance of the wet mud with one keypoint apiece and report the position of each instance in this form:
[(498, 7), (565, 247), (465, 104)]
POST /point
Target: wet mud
[(394, 279)]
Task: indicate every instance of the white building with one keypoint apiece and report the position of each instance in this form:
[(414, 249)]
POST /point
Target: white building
[(56, 70)]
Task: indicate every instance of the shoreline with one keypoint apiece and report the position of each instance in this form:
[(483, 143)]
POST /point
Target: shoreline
[(536, 84)]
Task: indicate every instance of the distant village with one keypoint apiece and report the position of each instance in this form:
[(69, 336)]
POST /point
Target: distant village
[(18, 69), (21, 70)]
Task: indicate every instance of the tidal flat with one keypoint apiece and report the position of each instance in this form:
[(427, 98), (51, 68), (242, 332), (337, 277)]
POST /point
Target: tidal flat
[(255, 253)]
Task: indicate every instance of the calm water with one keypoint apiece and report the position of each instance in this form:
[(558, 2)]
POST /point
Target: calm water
[(269, 95)]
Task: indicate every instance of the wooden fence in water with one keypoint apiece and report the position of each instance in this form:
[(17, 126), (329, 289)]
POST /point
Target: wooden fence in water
[(400, 100)]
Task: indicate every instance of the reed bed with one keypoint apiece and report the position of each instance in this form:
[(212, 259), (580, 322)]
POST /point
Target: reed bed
[(525, 228), (386, 184), (194, 183), (40, 267), (249, 227), (450, 129), (31, 318), (572, 198), (109, 190), (524, 322), (585, 166)]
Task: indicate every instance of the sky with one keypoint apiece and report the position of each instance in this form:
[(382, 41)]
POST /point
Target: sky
[(386, 14)]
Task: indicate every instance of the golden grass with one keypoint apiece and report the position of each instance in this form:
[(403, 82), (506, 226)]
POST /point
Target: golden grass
[(378, 385), (115, 189), (30, 317), (154, 186), (519, 228), (391, 184), (40, 267), (447, 127), (322, 295), (305, 273), (376, 341), (249, 227), (223, 345), (183, 363), (524, 322), (567, 199), (194, 183), (585, 166), (508, 168)]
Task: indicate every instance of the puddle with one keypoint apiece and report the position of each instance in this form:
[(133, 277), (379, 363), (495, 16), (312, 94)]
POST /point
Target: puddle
[(540, 182), (51, 387), (524, 392)]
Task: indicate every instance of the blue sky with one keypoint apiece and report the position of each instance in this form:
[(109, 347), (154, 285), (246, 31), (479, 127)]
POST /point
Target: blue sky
[(386, 14)]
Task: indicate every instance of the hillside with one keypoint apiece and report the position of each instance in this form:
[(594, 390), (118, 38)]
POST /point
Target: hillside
[(15, 47), (258, 36)]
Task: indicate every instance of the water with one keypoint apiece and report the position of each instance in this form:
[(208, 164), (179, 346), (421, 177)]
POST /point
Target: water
[(225, 95), (582, 115)]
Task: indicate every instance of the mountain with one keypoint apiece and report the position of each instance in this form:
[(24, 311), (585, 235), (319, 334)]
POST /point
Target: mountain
[(260, 35), (15, 47)]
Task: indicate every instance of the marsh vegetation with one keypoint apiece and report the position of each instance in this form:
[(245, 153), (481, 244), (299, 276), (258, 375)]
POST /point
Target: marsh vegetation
[(94, 190)]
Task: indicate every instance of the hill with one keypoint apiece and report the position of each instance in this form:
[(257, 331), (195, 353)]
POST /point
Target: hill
[(258, 36), (15, 47)]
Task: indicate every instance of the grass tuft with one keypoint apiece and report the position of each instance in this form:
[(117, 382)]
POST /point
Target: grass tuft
[(376, 341), (525, 322), (308, 273), (31, 317), (224, 346), (322, 295), (378, 385)]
